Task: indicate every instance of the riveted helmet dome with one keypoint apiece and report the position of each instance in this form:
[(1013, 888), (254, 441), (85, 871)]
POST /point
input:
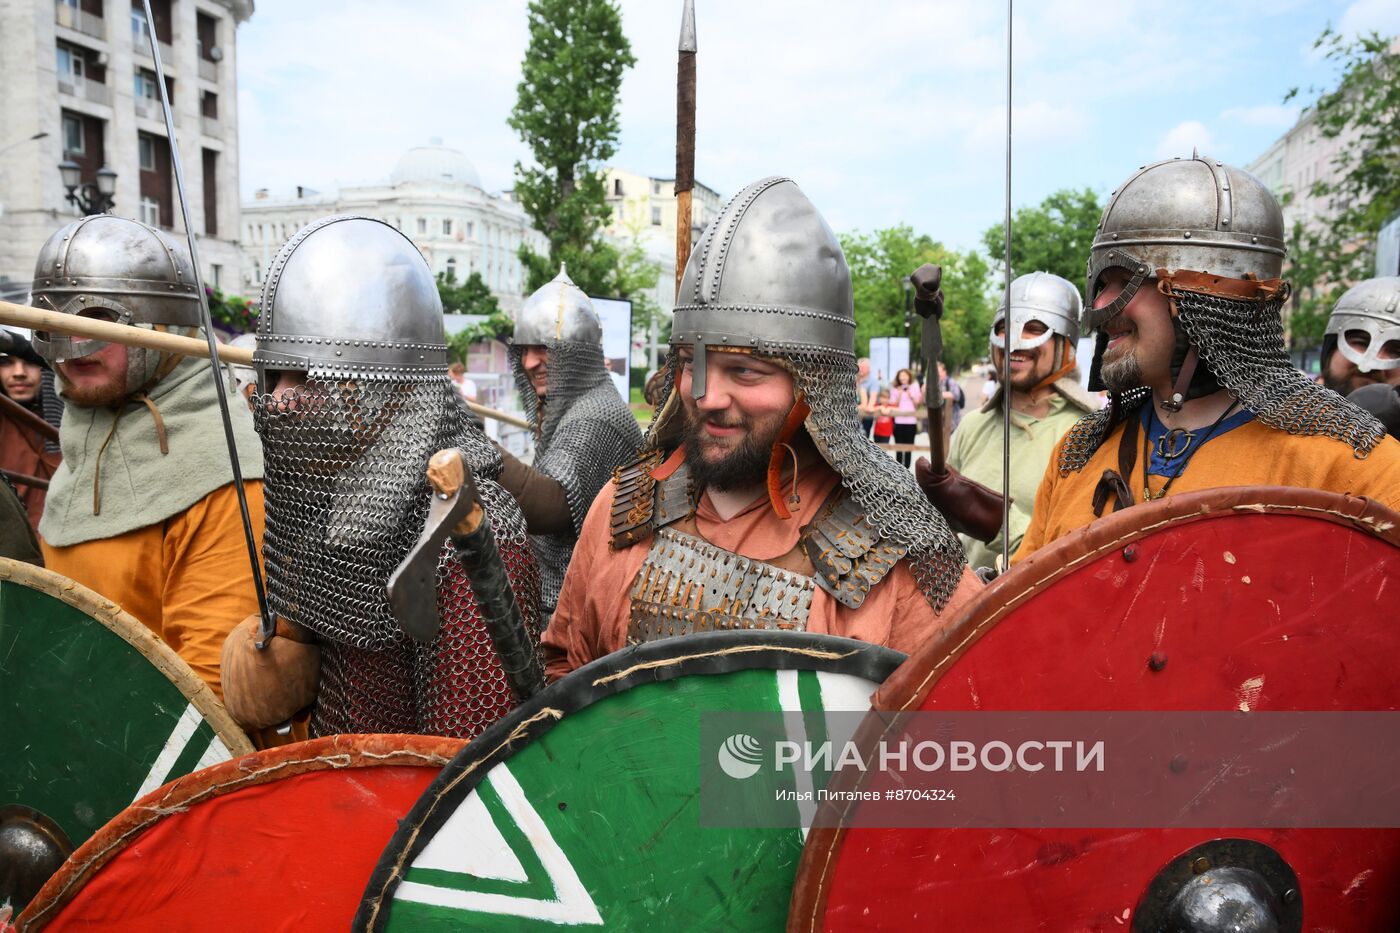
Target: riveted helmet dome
[(134, 273), (351, 295), (1372, 307), (558, 311), (1043, 297), (1195, 214)]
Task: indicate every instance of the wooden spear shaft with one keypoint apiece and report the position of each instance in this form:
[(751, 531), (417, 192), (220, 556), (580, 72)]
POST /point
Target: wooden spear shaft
[(685, 137), (42, 320)]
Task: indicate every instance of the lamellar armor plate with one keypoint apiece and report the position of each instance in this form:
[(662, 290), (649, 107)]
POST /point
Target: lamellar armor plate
[(350, 303), (584, 428)]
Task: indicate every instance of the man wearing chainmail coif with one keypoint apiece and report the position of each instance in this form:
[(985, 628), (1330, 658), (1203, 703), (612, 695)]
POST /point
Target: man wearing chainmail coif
[(1185, 296), (583, 428), (758, 502), (354, 400)]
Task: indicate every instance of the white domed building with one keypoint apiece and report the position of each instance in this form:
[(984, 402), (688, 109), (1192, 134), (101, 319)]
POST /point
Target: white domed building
[(435, 196)]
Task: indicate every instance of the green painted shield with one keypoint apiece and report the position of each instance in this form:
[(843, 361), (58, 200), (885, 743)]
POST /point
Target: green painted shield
[(95, 711), (582, 808)]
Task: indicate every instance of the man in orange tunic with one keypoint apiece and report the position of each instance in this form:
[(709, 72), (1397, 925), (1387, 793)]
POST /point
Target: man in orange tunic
[(143, 508), (759, 503), (1185, 295)]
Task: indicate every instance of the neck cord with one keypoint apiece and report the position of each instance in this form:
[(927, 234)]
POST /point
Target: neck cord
[(1147, 495)]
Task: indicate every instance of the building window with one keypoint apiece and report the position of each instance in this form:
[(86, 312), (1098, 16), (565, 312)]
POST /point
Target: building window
[(146, 152), (140, 31), (471, 229), (73, 136), (422, 225), (218, 271), (656, 187), (656, 216), (257, 273), (452, 269), (447, 228), (145, 85), (617, 187), (71, 64), (209, 105), (150, 211)]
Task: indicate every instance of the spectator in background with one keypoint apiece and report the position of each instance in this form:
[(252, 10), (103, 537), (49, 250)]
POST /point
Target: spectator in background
[(26, 448), (906, 395), (464, 384), (884, 421), (953, 394), (867, 388)]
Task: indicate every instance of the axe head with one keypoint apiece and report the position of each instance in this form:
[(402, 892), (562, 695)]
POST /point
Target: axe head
[(413, 585)]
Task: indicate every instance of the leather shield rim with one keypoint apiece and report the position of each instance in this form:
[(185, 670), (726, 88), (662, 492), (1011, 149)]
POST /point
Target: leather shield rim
[(137, 635), (651, 662), (332, 753), (907, 687)]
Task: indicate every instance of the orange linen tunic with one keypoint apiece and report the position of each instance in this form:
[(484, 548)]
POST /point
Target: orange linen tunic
[(1252, 454), (594, 608), (186, 578)]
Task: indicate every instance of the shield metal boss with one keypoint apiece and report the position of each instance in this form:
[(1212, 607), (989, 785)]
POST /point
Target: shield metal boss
[(95, 710), (580, 809), (282, 839), (1247, 598)]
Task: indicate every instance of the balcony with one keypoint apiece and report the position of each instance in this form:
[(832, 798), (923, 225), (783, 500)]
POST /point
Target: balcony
[(149, 107), (84, 22), (84, 89), (208, 70), (141, 45), (210, 126)]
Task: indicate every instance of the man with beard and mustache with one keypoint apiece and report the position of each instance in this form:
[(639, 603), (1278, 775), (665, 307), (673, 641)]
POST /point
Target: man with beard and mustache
[(1362, 342), (758, 501), (143, 508), (1185, 297), (1046, 400)]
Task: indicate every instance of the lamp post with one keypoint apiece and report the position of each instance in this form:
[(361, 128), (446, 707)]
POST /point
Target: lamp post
[(88, 197), (908, 287), (20, 142)]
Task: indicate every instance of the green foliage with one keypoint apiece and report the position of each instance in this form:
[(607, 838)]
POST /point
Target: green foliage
[(566, 112), (472, 297), (1363, 111), (881, 262), (232, 311), (1053, 236)]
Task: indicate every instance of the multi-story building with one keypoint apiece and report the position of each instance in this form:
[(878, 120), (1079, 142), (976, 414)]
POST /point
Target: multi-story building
[(79, 85), (644, 210), (434, 196)]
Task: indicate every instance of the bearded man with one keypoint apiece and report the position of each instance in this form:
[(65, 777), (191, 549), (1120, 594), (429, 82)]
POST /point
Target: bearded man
[(354, 398), (758, 502), (143, 508), (1362, 344), (583, 428), (1046, 400), (1186, 300), (26, 447)]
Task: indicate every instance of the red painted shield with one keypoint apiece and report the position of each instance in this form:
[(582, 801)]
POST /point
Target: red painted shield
[(283, 839), (1270, 598)]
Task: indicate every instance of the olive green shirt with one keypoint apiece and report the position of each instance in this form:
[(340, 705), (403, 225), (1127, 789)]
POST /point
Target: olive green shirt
[(976, 453)]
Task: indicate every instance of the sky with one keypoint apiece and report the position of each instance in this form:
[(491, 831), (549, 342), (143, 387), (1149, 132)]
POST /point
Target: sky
[(884, 111)]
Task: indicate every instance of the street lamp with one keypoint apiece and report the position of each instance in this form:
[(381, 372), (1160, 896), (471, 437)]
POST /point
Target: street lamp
[(907, 284), (88, 197), (20, 142)]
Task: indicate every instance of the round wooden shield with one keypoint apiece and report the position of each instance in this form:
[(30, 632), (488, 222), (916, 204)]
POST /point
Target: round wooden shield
[(581, 808), (1247, 598), (95, 711), (282, 839)]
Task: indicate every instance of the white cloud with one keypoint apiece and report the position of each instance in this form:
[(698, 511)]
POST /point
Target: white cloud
[(1273, 116), (1180, 139), (1382, 16)]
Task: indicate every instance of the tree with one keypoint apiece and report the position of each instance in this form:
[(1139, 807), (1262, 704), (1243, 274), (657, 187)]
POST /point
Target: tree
[(881, 262), (566, 112), (1054, 236), (472, 297), (1363, 110)]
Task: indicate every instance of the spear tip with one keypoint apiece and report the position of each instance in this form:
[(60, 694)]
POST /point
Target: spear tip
[(688, 27)]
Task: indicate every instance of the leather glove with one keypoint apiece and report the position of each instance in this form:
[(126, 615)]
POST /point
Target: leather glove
[(928, 290), (970, 508), (268, 687)]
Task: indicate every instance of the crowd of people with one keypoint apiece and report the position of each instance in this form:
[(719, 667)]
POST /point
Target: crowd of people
[(761, 495)]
